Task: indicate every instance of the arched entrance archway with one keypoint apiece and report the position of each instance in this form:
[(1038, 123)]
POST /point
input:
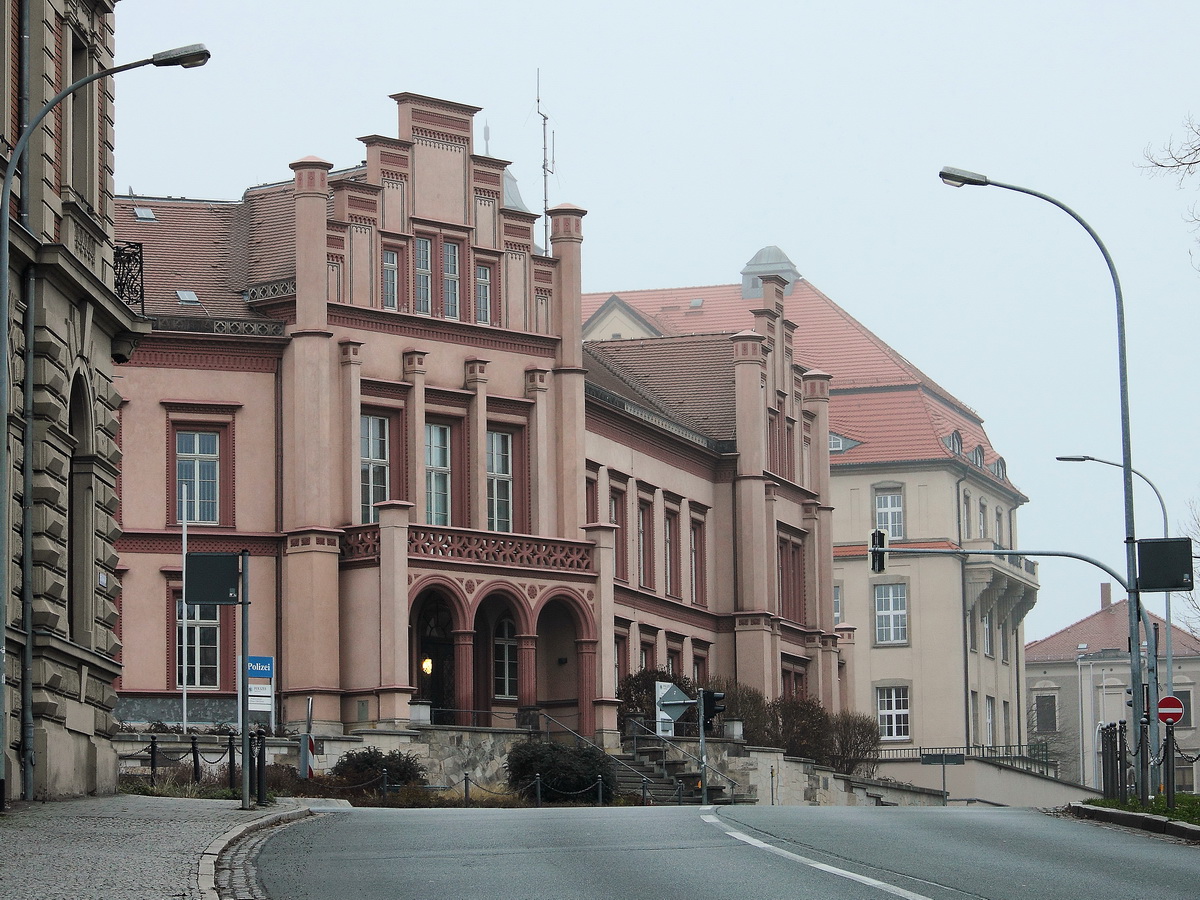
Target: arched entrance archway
[(433, 660)]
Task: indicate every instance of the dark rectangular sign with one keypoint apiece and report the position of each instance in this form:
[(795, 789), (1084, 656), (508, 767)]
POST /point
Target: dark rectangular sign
[(212, 578), (943, 759), (1164, 564)]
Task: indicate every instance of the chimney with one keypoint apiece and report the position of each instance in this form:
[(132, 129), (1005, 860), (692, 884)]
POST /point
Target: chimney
[(1105, 596)]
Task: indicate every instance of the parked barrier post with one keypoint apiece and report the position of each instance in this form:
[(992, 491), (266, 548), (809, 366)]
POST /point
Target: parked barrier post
[(466, 790), (645, 786), (385, 786), (1122, 762), (248, 762), (262, 767), (599, 790), (195, 760), (537, 782), (153, 760), (1169, 764)]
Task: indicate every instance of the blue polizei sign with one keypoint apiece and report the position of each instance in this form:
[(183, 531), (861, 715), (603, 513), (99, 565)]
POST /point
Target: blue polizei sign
[(260, 667)]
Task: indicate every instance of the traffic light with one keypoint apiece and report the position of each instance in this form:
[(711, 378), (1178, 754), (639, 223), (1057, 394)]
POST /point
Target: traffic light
[(711, 705), (878, 550)]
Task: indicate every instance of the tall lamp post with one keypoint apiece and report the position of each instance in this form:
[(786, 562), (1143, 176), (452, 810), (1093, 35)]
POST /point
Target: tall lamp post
[(958, 178), (187, 57)]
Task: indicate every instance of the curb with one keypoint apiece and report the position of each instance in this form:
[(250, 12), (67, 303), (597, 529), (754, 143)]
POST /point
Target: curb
[(207, 876), (1142, 821)]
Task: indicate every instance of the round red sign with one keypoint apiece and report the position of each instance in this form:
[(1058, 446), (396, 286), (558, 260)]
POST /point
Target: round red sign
[(1170, 710)]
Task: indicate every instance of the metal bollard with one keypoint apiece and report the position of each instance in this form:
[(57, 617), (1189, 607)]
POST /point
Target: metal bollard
[(385, 786), (645, 787), (248, 765), (229, 750), (599, 790), (262, 767), (153, 759), (537, 781), (195, 760), (466, 790)]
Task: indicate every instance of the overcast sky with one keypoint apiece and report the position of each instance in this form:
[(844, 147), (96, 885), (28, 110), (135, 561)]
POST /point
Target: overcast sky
[(696, 133)]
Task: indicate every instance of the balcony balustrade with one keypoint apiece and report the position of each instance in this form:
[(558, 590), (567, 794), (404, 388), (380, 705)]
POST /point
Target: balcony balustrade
[(360, 544)]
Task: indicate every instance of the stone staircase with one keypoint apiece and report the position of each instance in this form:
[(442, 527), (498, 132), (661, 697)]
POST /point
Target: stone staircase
[(666, 780)]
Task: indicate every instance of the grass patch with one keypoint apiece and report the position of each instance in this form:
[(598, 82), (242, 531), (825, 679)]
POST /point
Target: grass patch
[(1187, 807)]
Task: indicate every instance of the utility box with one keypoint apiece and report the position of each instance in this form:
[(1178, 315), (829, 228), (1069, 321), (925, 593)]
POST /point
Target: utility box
[(1164, 564)]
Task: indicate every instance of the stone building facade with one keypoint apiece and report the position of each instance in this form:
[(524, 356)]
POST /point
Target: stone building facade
[(70, 319)]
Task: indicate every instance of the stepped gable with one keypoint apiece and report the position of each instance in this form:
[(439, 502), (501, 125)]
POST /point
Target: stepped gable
[(1106, 629), (688, 378)]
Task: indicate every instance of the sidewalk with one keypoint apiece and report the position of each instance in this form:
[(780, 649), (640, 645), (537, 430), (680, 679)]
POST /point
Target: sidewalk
[(126, 847)]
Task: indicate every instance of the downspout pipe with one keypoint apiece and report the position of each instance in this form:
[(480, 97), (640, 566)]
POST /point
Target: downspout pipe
[(28, 754), (966, 647)]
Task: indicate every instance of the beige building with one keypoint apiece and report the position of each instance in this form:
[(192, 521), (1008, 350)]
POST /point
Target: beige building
[(938, 646), (70, 307), (1077, 682), (374, 381)]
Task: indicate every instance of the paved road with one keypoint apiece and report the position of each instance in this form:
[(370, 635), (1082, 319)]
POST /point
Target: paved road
[(751, 852)]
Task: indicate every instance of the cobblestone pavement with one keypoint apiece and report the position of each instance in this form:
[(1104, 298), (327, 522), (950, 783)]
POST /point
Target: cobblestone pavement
[(237, 877), (126, 847)]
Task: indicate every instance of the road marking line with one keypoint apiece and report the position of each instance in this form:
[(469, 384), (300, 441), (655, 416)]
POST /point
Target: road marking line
[(832, 870)]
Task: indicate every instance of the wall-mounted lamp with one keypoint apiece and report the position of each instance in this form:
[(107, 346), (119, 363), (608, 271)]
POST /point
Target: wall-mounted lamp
[(427, 666)]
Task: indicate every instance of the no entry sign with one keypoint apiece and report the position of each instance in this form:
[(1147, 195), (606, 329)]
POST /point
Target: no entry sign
[(1170, 710)]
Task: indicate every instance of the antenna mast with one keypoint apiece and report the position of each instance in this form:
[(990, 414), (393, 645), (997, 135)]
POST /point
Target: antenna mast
[(547, 167)]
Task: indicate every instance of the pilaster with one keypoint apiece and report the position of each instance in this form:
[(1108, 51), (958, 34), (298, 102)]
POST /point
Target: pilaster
[(351, 389), (395, 689), (414, 438), (476, 379)]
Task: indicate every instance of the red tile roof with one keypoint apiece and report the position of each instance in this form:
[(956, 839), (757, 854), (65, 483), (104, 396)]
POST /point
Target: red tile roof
[(1106, 629), (879, 398)]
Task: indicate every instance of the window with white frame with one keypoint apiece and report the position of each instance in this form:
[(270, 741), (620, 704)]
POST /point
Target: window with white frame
[(998, 534), (889, 513), (483, 295), (891, 614), (985, 625), (423, 283), (197, 648), (437, 474), (989, 720), (197, 470), (892, 704), (499, 481), (450, 253), (391, 279), (373, 450), (505, 653), (983, 520), (966, 517), (837, 604), (1185, 697)]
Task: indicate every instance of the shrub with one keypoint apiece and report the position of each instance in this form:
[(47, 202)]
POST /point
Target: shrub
[(636, 693), (568, 773), (854, 743), (367, 764)]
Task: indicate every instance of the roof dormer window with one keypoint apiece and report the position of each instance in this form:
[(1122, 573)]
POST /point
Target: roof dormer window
[(954, 442), (977, 457)]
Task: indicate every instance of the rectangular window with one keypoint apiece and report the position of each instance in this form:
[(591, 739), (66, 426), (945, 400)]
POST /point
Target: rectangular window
[(424, 275), (499, 481), (1185, 778), (437, 474), (972, 629), (616, 515), (699, 567), (700, 669), (893, 710), (197, 467), (620, 657), (373, 444), (983, 521), (1045, 713), (791, 578), (985, 625), (197, 661), (975, 717), (1185, 697), (891, 614), (391, 279), (450, 280), (483, 295), (966, 518), (505, 660), (1007, 716), (647, 659), (671, 548), (1004, 641), (837, 604), (998, 534), (645, 539), (674, 660), (989, 721), (889, 513)]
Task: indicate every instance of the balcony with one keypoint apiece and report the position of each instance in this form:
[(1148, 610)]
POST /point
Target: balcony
[(464, 547), (1003, 585)]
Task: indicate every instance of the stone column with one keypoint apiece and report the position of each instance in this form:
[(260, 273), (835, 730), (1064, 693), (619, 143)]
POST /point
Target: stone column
[(585, 651), (476, 379), (464, 675), (395, 666), (566, 236), (603, 536)]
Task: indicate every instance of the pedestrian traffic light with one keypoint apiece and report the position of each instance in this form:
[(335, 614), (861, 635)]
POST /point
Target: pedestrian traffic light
[(878, 550), (711, 705)]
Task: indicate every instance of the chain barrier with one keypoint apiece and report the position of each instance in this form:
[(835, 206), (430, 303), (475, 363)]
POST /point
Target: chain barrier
[(1185, 757)]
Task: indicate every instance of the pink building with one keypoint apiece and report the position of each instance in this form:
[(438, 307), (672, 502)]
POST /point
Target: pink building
[(375, 382)]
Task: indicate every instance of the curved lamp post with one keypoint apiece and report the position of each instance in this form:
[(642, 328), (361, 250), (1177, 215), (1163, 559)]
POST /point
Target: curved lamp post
[(187, 57), (1166, 533), (958, 178)]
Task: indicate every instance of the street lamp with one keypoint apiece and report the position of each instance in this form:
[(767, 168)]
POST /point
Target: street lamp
[(1166, 533), (959, 178), (188, 57)]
